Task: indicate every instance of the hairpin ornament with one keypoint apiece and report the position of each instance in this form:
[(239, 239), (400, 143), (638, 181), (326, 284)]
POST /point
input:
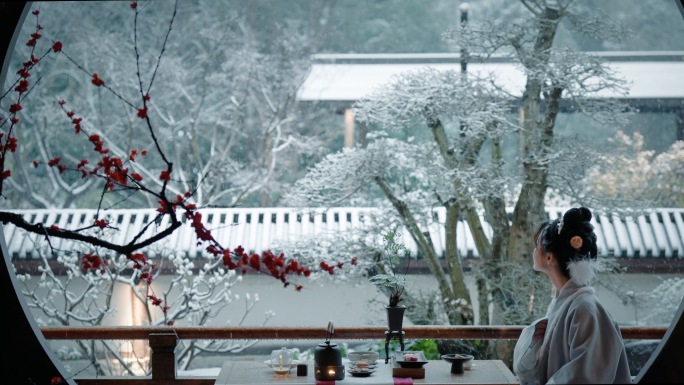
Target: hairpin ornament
[(576, 242), (560, 226)]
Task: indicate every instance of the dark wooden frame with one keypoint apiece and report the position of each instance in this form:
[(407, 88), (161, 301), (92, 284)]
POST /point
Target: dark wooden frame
[(30, 361)]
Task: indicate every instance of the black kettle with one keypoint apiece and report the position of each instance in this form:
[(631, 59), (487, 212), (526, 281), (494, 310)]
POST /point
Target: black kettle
[(328, 359), (327, 354)]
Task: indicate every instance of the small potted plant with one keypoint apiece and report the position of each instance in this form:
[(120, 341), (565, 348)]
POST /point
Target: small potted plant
[(392, 283)]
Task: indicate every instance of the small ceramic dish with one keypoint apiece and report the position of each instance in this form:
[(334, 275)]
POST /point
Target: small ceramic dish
[(361, 372), (457, 361), (410, 359)]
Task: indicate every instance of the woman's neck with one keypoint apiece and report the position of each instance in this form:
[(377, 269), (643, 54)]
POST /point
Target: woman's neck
[(558, 280)]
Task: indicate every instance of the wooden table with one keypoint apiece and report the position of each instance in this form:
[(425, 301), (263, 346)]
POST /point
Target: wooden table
[(437, 372)]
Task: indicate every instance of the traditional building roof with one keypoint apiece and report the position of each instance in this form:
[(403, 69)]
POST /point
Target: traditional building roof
[(345, 78), (654, 236)]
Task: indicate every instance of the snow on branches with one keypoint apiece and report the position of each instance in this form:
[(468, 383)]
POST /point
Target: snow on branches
[(430, 93)]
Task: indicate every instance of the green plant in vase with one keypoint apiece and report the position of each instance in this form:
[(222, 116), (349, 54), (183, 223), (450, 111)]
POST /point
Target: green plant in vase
[(389, 281)]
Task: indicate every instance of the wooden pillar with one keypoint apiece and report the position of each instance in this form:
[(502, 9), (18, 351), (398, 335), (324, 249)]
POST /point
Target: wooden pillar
[(348, 128), (163, 356), (138, 313)]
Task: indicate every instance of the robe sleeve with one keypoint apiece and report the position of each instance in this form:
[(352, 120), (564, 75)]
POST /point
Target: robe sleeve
[(595, 347)]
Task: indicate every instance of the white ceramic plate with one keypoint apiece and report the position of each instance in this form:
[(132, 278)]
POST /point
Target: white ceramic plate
[(293, 364)]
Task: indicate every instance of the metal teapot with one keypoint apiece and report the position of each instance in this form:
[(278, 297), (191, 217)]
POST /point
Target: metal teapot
[(328, 359), (327, 354)]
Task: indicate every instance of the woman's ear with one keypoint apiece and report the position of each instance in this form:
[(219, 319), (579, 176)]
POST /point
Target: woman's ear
[(550, 258)]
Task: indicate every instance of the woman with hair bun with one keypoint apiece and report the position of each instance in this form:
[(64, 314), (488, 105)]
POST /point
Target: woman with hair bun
[(577, 341)]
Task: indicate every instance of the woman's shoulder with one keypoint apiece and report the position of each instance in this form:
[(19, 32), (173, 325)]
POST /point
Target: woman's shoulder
[(587, 305), (585, 301), (588, 316), (573, 294)]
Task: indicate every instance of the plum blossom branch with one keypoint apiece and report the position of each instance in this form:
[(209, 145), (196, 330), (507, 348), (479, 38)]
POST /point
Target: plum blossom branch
[(115, 172)]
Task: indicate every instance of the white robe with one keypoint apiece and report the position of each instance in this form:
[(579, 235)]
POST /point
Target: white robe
[(582, 344)]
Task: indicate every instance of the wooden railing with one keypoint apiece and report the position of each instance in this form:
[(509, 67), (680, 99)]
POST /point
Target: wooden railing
[(163, 342)]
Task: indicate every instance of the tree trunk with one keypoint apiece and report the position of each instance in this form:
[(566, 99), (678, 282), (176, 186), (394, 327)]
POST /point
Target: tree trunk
[(529, 208), (453, 260)]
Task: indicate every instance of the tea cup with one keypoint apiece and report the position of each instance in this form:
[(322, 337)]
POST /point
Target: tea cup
[(281, 360)]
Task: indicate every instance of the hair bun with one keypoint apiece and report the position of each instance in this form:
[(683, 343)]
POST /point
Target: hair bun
[(586, 214), (575, 216)]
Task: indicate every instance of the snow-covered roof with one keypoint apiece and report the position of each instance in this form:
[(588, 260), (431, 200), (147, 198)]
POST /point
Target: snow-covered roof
[(659, 234), (349, 77)]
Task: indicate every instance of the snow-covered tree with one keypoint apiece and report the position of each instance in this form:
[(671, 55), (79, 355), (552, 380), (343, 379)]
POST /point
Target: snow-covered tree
[(460, 166), (224, 98), (642, 173), (80, 292)]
